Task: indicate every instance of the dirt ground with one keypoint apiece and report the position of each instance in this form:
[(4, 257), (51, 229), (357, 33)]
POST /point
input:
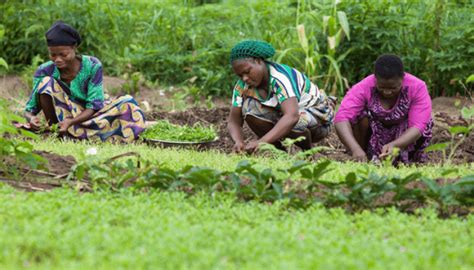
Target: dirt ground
[(444, 117)]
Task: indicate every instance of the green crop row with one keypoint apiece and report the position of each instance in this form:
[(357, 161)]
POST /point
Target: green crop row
[(300, 185), (188, 43)]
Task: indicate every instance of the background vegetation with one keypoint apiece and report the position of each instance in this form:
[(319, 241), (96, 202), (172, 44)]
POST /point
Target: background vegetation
[(188, 42)]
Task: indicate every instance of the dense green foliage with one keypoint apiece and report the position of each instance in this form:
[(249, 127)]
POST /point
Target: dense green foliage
[(165, 131), (190, 43), (300, 185), (12, 149), (66, 230)]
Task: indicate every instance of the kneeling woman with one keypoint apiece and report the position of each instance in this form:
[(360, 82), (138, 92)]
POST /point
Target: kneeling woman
[(275, 100), (388, 109), (69, 91)]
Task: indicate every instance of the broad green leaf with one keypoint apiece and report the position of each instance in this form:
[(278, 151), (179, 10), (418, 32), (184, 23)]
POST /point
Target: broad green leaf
[(332, 26), (2, 31), (34, 28), (344, 23), (467, 112), (470, 78), (449, 171), (437, 147), (3, 63), (466, 180), (351, 179), (458, 130), (302, 38)]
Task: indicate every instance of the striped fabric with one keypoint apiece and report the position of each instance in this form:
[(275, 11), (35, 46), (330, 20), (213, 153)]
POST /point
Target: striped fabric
[(285, 82)]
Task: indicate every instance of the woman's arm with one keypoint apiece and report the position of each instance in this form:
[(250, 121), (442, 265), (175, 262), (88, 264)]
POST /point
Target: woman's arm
[(82, 117), (289, 119), (33, 120), (345, 134), (408, 137), (234, 126)]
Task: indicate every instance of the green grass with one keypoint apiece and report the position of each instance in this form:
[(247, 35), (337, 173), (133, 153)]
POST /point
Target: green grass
[(66, 230), (178, 158)]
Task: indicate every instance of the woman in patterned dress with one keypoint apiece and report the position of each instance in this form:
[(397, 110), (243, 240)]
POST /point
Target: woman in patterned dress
[(69, 91), (388, 109), (275, 100)]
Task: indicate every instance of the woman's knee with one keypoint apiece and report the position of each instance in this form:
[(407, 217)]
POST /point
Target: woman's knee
[(319, 132)]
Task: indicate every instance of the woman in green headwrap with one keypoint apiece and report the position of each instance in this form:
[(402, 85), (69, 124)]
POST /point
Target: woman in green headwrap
[(275, 100)]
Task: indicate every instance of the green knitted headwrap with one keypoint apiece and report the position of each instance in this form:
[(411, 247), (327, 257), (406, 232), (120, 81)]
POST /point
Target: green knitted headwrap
[(251, 48)]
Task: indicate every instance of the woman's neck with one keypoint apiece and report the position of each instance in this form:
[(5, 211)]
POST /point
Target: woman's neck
[(73, 68), (265, 79)]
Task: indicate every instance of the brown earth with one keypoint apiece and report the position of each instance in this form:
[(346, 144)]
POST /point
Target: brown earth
[(48, 176), (218, 118)]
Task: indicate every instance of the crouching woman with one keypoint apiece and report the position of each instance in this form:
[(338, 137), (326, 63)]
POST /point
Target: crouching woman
[(69, 91), (275, 100), (386, 110)]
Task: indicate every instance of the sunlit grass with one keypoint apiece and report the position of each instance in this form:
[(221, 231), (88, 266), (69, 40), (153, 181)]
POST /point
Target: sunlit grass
[(66, 230), (178, 158)]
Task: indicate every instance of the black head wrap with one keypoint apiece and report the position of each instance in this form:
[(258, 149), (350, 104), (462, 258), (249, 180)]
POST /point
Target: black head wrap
[(61, 34)]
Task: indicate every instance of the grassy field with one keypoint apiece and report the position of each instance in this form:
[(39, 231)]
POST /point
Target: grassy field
[(66, 230), (178, 158)]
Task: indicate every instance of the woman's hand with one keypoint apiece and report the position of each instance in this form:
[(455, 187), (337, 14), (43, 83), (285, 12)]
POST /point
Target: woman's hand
[(252, 146), (360, 156), (34, 122), (64, 125), (238, 147), (387, 150)]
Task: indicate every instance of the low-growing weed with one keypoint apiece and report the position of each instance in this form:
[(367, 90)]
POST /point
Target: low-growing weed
[(300, 186), (458, 136)]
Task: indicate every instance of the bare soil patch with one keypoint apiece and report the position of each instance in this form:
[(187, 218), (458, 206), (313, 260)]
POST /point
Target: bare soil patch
[(218, 118)]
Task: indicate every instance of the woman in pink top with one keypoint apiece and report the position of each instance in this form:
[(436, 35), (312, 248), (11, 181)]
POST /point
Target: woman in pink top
[(388, 109)]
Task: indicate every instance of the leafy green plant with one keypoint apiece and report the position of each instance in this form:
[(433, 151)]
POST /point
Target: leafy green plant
[(28, 71), (458, 136), (133, 82), (11, 147), (3, 63), (164, 130), (299, 186), (288, 144), (156, 40)]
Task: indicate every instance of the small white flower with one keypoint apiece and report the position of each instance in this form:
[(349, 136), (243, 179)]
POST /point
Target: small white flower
[(91, 151)]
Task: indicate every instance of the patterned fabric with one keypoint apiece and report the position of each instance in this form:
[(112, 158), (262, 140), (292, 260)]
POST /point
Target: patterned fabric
[(307, 120), (86, 89), (118, 120), (286, 82), (252, 48), (388, 125)]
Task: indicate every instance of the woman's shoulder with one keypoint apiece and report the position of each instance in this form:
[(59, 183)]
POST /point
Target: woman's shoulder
[(281, 68), (365, 84), (412, 81), (45, 69), (91, 60), (284, 73)]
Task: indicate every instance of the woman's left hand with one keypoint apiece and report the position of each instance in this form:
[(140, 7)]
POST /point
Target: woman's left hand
[(252, 146), (387, 150), (64, 125)]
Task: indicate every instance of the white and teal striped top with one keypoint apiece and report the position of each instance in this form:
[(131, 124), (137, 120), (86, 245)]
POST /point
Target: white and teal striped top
[(285, 82)]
